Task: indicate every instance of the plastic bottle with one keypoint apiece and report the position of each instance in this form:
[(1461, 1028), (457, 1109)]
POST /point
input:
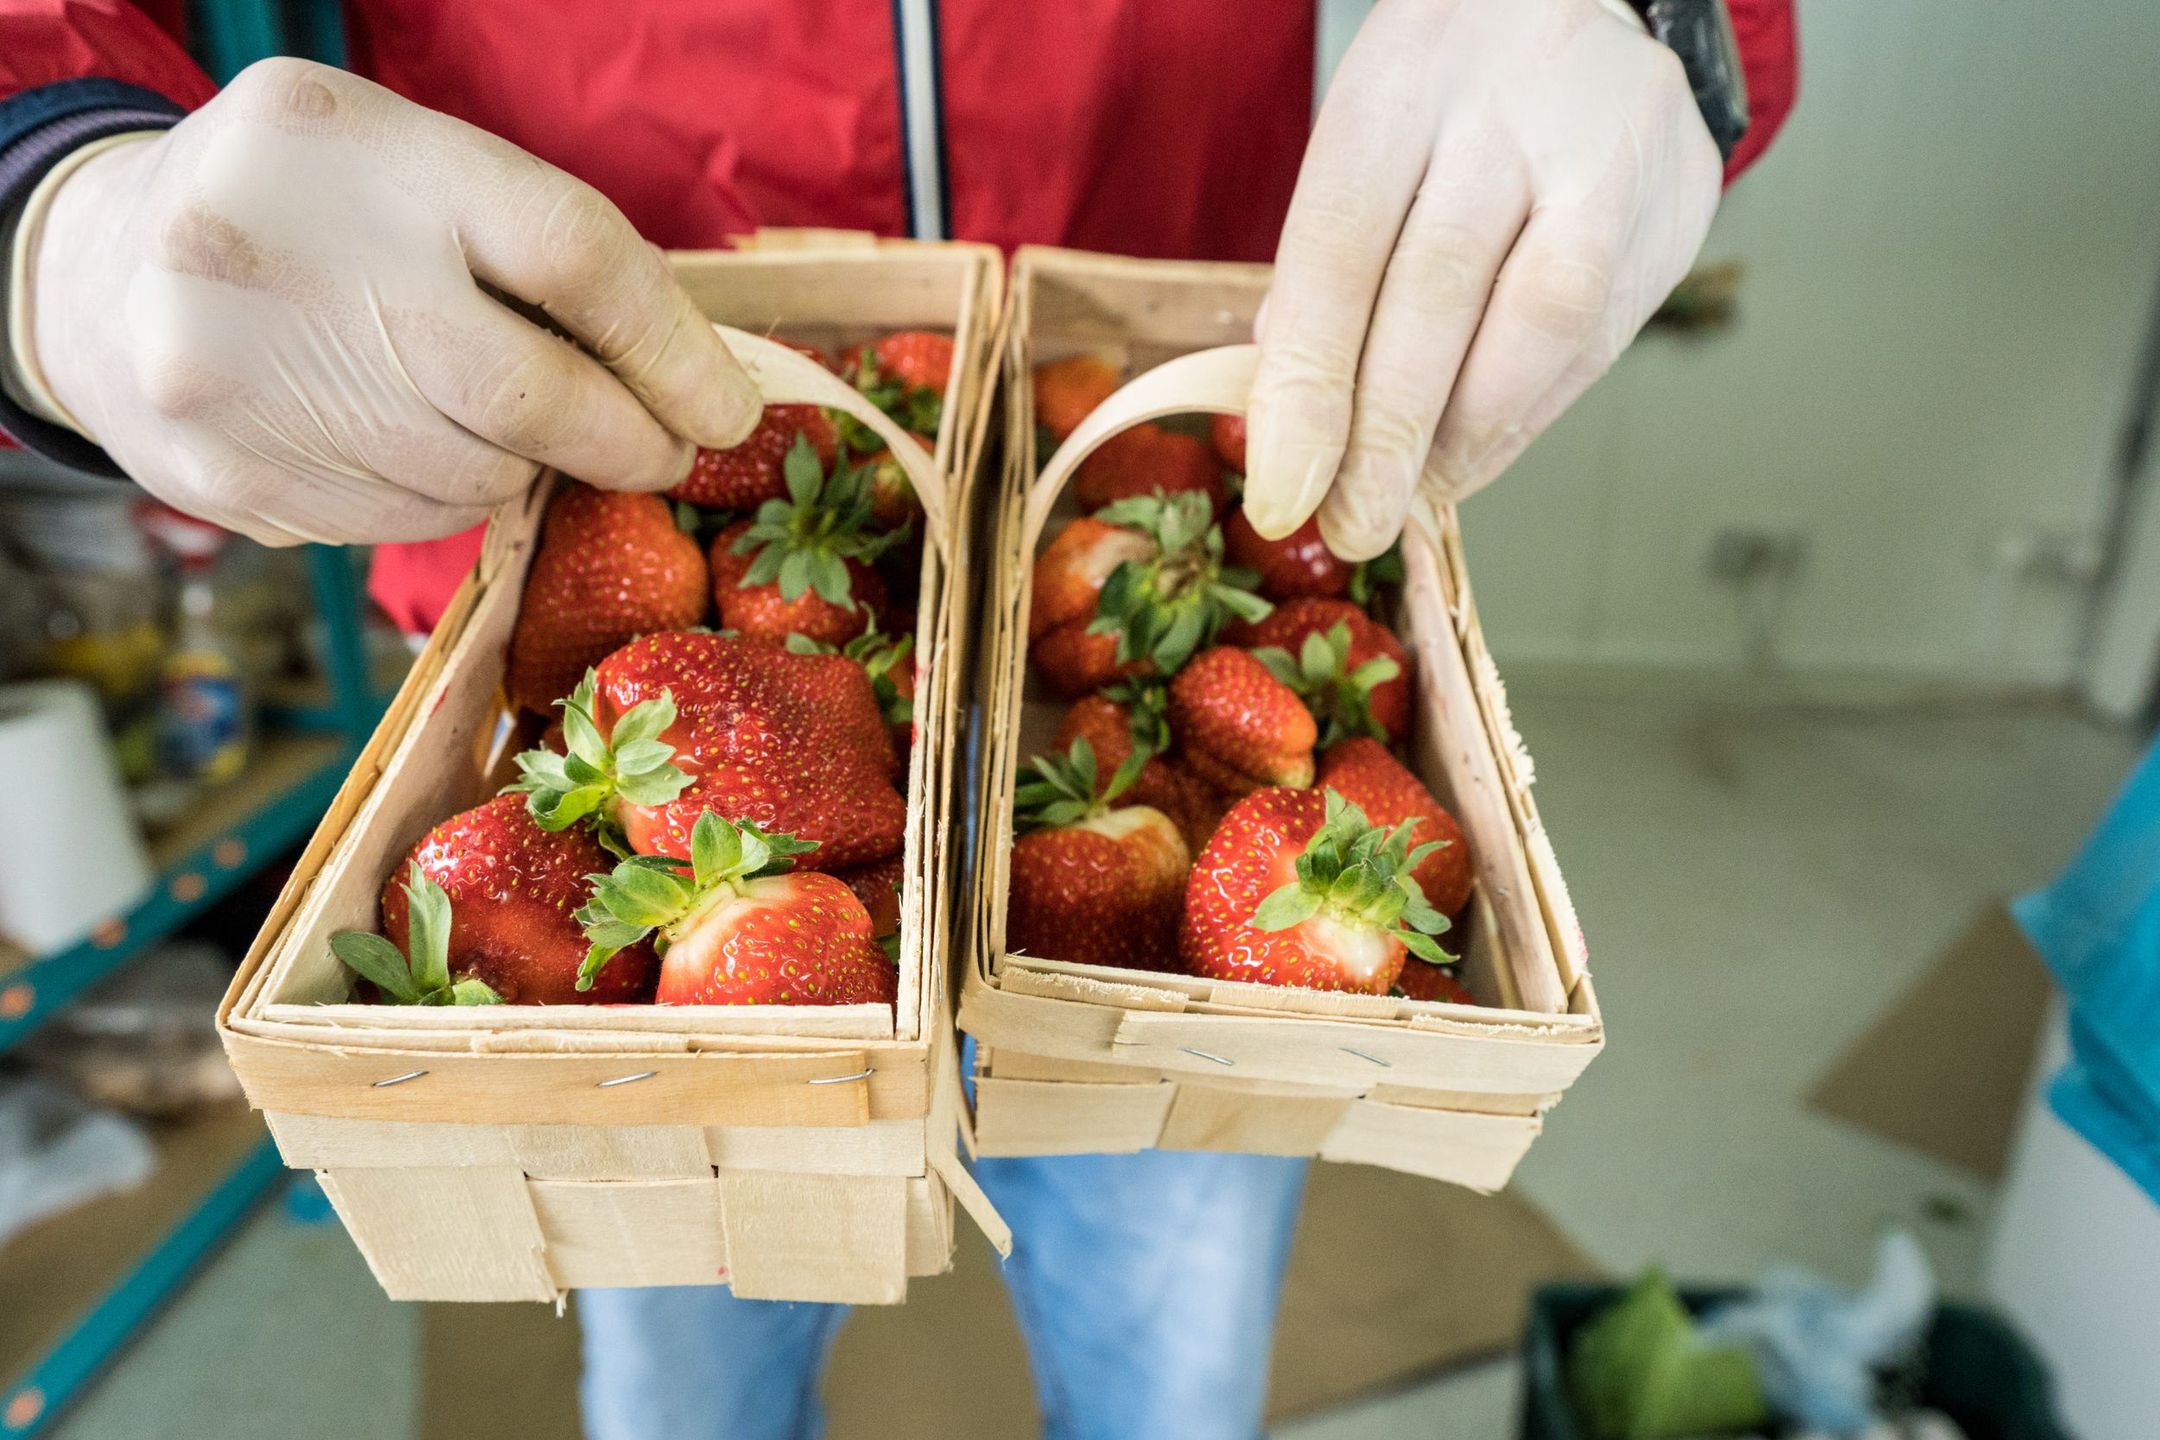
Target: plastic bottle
[(204, 725)]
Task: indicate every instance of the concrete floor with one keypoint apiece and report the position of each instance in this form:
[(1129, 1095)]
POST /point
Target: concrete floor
[(1757, 883)]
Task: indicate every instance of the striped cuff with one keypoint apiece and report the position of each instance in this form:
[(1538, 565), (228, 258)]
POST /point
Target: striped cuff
[(38, 129)]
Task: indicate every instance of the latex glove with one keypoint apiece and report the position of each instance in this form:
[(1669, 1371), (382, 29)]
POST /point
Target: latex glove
[(1496, 196), (272, 316)]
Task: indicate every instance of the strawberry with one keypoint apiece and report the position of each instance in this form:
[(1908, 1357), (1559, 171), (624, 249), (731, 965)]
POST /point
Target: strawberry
[(736, 925), (1348, 667), (1227, 434), (753, 472), (1131, 716), (877, 885), (1066, 390), (577, 773), (1298, 564), (1423, 980), (904, 375), (1298, 888), (794, 743), (1364, 773), (1093, 883), (1238, 727), (1145, 575), (611, 566), (500, 912), (803, 565), (1149, 460), (889, 663)]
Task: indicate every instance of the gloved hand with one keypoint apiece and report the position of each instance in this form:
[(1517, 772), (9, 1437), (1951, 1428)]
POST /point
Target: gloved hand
[(1496, 196), (272, 316)]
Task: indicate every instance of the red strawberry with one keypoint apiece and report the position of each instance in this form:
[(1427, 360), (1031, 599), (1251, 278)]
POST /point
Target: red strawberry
[(889, 662), (753, 472), (803, 565), (912, 359), (794, 743), (1138, 585), (510, 889), (1096, 885), (1298, 564), (1298, 888), (1350, 669), (1423, 980), (611, 567), (1227, 432), (1238, 727), (1149, 460), (1114, 723), (764, 611), (737, 926), (877, 885), (1365, 774), (1066, 390)]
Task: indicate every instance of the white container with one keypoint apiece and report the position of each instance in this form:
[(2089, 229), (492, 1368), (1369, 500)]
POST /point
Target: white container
[(72, 855)]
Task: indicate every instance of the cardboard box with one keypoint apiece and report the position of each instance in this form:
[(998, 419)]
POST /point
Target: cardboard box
[(516, 1152), (1075, 1058)]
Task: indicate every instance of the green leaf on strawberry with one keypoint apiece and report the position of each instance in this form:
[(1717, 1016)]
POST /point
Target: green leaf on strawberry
[(633, 764), (1339, 696), (915, 408), (803, 541), (1057, 790), (1360, 874), (1165, 609), (1367, 576), (421, 977), (646, 893)]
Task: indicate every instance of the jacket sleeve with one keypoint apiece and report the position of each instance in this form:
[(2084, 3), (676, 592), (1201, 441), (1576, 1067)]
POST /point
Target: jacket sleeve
[(1769, 44), (73, 71)]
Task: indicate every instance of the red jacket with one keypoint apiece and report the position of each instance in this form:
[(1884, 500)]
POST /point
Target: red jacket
[(1149, 127)]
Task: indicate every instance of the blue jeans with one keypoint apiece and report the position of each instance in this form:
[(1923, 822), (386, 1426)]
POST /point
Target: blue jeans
[(1146, 1286)]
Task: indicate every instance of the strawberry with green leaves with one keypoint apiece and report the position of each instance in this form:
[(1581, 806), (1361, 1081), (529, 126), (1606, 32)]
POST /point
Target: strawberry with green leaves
[(1298, 887), (611, 566), (737, 924), (1237, 726), (592, 774), (1093, 881), (802, 566), (793, 743), (510, 891), (1362, 771), (1423, 980), (1349, 669), (904, 375), (1139, 586), (747, 475), (1134, 715), (419, 973)]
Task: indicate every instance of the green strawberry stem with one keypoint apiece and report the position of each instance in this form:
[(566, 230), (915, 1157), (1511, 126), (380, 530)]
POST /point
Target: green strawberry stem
[(805, 540), (633, 764), (1367, 576), (1147, 704), (1165, 609), (1058, 790), (1360, 874), (658, 892), (1339, 697), (914, 408), (881, 656), (423, 976)]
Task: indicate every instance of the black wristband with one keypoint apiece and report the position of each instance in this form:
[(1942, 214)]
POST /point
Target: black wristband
[(1701, 34)]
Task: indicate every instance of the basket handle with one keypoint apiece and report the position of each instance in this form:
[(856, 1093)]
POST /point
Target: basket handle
[(785, 376), (1214, 382)]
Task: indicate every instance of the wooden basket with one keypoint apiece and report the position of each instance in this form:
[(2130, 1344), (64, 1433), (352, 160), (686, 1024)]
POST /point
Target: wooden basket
[(516, 1152), (1081, 1058)]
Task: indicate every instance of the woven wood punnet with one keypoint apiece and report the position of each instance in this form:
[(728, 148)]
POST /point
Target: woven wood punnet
[(1075, 1058), (516, 1152)]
